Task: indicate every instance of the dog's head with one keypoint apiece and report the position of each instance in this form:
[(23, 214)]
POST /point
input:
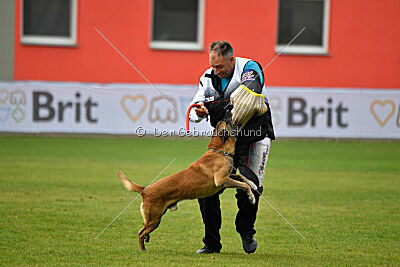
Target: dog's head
[(223, 136), (223, 131)]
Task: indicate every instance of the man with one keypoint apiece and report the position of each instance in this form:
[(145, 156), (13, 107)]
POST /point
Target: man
[(216, 85)]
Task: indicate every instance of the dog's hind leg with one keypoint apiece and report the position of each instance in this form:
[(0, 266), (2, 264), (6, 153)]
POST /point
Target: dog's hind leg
[(144, 234), (141, 239), (151, 218)]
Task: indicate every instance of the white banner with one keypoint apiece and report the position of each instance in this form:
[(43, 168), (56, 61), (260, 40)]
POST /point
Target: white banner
[(336, 113), (141, 109)]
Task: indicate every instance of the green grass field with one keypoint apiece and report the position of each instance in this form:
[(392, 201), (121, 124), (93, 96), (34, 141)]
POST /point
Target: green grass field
[(57, 194)]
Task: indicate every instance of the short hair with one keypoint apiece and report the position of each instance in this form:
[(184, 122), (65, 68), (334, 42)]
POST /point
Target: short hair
[(222, 47)]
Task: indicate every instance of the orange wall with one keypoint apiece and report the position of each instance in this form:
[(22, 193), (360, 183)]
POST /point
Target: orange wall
[(364, 49)]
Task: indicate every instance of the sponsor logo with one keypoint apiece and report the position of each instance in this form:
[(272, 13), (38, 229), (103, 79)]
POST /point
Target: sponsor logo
[(18, 98), (398, 118), (18, 114), (4, 94), (383, 111), (12, 105), (134, 106), (209, 99), (263, 163), (162, 111), (248, 76), (299, 114), (46, 109)]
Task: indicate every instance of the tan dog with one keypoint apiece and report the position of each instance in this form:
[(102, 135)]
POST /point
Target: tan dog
[(203, 178)]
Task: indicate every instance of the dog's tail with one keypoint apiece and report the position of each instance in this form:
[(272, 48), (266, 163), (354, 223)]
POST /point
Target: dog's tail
[(129, 185)]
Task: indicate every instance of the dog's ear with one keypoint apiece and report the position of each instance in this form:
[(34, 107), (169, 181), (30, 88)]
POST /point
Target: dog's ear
[(228, 113)]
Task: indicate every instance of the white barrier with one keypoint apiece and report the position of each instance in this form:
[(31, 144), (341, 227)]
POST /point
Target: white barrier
[(336, 113), (141, 109)]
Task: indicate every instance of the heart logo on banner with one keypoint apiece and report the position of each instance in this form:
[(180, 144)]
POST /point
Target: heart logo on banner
[(4, 94), (382, 111), (129, 104)]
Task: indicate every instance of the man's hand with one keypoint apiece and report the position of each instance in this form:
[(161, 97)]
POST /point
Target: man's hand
[(202, 110)]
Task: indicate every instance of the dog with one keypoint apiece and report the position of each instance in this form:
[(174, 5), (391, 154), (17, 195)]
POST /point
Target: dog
[(204, 177)]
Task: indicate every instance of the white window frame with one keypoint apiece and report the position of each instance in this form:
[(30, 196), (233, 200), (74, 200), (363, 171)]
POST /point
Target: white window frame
[(309, 49), (181, 45), (52, 40)]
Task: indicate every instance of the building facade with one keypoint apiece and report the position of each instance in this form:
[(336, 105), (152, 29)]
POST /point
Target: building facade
[(339, 77), (360, 41)]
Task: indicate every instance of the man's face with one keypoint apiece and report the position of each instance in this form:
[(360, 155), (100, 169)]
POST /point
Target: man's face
[(223, 67)]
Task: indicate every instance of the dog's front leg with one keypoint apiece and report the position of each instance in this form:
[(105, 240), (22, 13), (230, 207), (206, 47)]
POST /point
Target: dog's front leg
[(240, 177), (226, 182)]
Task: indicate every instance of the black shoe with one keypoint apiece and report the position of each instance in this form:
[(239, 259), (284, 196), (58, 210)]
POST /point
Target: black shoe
[(249, 243), (206, 250)]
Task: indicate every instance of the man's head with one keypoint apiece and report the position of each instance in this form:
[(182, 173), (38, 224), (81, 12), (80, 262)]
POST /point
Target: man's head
[(221, 58)]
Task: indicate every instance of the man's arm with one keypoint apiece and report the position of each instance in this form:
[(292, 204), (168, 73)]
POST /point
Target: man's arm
[(252, 77), (198, 114), (247, 99)]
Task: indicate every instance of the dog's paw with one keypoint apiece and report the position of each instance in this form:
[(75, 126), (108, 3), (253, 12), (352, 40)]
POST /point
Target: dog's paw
[(121, 174), (147, 238), (252, 198), (252, 185), (173, 207)]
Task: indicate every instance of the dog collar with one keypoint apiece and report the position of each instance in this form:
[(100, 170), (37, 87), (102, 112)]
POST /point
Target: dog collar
[(222, 152)]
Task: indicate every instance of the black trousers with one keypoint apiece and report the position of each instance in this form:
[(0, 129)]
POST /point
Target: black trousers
[(246, 216)]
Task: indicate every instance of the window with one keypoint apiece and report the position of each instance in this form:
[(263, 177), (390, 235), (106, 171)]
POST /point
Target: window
[(48, 22), (177, 24), (296, 14)]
